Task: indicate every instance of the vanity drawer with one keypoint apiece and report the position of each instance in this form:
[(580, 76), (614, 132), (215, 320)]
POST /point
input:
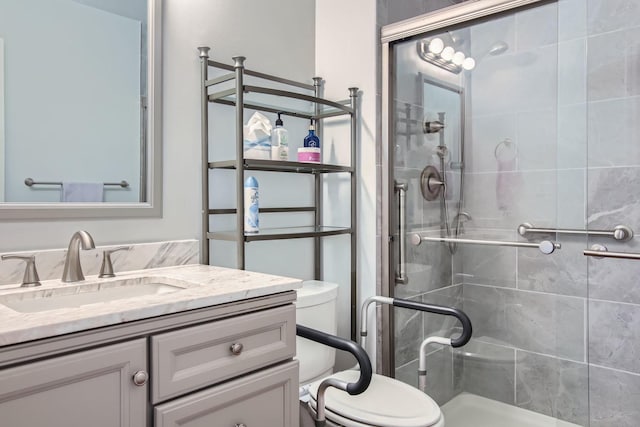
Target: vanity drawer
[(268, 398), (196, 357)]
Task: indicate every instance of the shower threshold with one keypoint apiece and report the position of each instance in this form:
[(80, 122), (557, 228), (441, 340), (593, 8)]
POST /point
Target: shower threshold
[(469, 410)]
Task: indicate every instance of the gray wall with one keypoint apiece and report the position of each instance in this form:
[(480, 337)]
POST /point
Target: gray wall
[(223, 26)]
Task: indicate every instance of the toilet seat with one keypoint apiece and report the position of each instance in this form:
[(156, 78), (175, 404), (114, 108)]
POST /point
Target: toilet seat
[(386, 403)]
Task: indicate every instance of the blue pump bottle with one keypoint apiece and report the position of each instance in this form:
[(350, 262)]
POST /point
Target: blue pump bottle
[(312, 140)]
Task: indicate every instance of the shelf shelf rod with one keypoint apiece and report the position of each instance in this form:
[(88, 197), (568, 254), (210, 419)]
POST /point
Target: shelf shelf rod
[(266, 108), (301, 96), (232, 235), (239, 70), (204, 153), (317, 181), (262, 75), (353, 97), (222, 94), (221, 79), (229, 211)]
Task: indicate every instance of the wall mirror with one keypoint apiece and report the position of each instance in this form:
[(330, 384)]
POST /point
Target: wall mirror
[(443, 103), (80, 108)]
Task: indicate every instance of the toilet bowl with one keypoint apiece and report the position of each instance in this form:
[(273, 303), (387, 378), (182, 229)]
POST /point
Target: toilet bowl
[(387, 402)]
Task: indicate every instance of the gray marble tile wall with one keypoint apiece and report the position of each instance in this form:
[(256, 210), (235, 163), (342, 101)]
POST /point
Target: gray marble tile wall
[(552, 386), (443, 369), (613, 176), (571, 321), (140, 256), (488, 370), (613, 397)]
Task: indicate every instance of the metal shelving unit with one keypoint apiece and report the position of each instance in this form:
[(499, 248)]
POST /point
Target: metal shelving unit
[(292, 102)]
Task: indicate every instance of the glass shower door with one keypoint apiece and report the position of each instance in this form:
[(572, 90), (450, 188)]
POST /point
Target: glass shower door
[(612, 77), (499, 145)]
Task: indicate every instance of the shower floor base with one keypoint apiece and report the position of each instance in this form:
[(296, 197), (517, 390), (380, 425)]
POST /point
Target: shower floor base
[(469, 410)]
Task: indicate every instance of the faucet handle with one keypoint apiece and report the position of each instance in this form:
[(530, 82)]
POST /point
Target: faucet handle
[(30, 278), (106, 269)]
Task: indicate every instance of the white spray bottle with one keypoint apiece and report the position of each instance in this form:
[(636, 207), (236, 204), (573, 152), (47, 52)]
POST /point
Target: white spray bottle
[(251, 220)]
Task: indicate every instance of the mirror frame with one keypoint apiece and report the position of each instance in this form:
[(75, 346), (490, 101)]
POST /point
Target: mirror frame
[(153, 206)]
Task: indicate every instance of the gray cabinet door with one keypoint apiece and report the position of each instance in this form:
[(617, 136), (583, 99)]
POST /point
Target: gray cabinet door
[(89, 388), (267, 398)]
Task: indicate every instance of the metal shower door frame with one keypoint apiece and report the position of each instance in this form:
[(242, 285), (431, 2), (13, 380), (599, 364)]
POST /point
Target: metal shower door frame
[(390, 35)]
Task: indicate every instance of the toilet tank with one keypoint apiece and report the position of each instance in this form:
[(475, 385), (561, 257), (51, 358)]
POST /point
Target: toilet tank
[(316, 308)]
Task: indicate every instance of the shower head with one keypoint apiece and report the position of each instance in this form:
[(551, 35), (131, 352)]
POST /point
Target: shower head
[(498, 48)]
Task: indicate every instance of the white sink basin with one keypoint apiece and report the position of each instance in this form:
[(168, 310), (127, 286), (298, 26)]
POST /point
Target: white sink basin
[(76, 295)]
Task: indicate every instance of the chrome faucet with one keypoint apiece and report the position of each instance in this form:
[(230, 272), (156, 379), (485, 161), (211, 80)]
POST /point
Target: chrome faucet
[(72, 268)]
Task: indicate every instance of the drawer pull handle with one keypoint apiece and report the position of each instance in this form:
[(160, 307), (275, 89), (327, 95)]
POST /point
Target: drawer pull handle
[(236, 349), (140, 378), (241, 425)]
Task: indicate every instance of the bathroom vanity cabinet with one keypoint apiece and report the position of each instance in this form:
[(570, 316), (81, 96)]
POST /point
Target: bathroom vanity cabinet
[(91, 387), (225, 365)]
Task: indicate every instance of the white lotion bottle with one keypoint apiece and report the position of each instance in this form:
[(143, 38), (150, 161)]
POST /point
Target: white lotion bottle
[(279, 142), (251, 220)]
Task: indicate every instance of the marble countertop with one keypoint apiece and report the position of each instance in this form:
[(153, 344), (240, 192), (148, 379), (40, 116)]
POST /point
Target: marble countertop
[(204, 286)]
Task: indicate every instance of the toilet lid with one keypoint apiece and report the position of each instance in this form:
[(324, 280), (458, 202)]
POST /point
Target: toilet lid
[(386, 403)]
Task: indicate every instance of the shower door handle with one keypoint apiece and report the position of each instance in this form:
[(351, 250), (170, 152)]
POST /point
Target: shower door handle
[(401, 276)]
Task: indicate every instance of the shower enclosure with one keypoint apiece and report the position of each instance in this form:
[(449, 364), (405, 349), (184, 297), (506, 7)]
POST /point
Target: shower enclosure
[(511, 179)]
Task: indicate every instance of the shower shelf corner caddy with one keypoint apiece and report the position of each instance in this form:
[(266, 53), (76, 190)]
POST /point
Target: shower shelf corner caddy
[(241, 96)]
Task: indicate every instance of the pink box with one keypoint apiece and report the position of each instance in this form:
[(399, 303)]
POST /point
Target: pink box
[(309, 154)]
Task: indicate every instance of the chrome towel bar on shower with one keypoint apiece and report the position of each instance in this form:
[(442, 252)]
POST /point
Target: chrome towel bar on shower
[(546, 246), (621, 233), (601, 251)]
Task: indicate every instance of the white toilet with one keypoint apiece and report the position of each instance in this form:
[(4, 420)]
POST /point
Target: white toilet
[(386, 403)]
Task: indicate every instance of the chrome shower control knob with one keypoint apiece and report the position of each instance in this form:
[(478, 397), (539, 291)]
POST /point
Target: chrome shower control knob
[(236, 348), (140, 378), (547, 247), (622, 233)]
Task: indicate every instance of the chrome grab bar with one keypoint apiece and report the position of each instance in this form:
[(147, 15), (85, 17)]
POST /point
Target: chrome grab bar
[(354, 388), (621, 233), (546, 246), (401, 188), (444, 310), (601, 251)]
